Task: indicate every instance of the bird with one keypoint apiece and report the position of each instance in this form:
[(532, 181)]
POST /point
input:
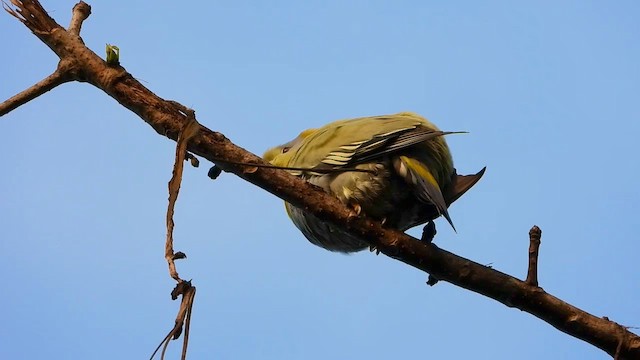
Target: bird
[(396, 169)]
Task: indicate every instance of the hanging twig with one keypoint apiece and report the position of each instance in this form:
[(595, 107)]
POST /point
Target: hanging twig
[(189, 131)]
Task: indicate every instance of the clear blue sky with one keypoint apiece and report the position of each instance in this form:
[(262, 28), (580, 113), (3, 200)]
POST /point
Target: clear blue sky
[(549, 91)]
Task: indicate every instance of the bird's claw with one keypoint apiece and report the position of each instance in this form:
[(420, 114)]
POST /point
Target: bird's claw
[(428, 232), (355, 210), (432, 280)]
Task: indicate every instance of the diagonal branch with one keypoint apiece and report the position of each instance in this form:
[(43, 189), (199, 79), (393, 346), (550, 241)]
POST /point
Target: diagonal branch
[(57, 78), (167, 120)]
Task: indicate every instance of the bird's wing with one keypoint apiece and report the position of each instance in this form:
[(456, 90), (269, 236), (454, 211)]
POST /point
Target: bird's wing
[(350, 142), (391, 142)]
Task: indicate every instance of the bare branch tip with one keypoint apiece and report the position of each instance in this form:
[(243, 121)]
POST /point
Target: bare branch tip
[(534, 248), (82, 7), (81, 12), (535, 232)]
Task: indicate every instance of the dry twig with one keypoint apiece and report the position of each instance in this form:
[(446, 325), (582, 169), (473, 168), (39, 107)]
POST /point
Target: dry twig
[(188, 293), (183, 288), (189, 131)]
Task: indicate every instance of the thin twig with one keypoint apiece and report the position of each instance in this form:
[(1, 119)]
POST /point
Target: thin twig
[(163, 342), (534, 245), (183, 319), (187, 321)]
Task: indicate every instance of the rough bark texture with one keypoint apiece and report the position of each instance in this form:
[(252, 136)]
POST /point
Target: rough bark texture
[(167, 118)]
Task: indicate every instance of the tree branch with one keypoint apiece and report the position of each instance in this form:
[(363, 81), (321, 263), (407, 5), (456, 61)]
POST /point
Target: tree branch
[(59, 77), (167, 120)]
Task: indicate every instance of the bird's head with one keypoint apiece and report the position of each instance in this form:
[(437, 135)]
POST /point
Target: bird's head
[(281, 154)]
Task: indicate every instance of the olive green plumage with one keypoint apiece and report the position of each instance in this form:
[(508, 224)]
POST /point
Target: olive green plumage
[(409, 177)]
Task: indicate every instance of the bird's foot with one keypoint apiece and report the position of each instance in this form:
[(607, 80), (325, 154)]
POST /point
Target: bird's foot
[(429, 232), (373, 248), (432, 280), (356, 209), (214, 172)]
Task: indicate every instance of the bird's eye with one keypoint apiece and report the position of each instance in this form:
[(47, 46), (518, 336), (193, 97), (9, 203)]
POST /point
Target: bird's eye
[(285, 149)]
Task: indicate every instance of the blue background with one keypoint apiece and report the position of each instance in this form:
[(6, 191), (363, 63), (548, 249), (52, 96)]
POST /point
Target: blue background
[(549, 91)]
